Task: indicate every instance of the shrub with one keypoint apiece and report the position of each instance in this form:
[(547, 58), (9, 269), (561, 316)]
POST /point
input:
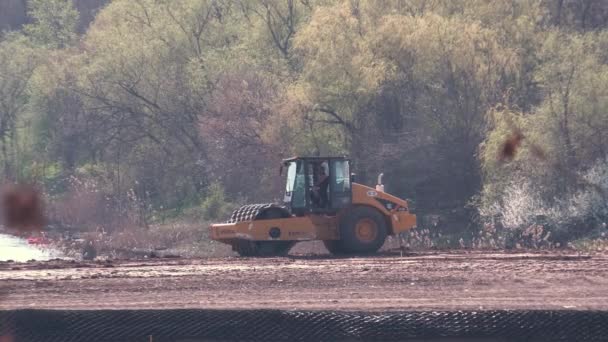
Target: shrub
[(216, 206), (527, 211)]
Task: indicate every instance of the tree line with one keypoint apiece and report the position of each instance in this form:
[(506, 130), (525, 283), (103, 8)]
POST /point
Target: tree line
[(160, 105)]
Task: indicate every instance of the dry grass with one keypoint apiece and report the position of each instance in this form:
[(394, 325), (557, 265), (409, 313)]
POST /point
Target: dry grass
[(175, 239), (591, 245)]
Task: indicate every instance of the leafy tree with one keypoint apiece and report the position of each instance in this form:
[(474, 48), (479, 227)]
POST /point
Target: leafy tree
[(164, 98), (569, 127), (408, 91), (18, 60), (54, 22)]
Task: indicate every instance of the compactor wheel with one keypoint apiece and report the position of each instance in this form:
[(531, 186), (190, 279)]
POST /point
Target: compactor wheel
[(362, 230), (264, 248)]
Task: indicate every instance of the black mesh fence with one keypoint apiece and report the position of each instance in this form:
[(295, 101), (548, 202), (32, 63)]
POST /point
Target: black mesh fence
[(271, 325)]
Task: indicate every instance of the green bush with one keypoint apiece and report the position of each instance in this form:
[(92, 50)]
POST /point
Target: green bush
[(215, 206)]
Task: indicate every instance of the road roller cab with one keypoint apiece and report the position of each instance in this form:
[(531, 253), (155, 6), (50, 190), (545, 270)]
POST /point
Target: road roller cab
[(321, 202), (317, 185)]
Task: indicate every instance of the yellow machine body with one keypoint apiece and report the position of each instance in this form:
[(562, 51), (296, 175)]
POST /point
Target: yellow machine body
[(317, 226)]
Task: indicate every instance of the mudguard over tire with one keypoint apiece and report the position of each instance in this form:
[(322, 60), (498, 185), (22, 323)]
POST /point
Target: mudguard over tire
[(256, 212), (363, 230)]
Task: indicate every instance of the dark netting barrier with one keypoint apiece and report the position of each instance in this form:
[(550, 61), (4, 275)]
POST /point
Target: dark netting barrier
[(271, 325)]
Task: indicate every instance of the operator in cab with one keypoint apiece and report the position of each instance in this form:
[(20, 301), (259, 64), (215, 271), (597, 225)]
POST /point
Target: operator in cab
[(320, 187)]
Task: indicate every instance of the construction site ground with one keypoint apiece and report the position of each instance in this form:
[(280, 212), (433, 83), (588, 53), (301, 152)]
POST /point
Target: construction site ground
[(462, 280)]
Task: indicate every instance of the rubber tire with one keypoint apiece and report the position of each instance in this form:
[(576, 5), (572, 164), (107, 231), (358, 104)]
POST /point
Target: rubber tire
[(348, 239), (248, 248)]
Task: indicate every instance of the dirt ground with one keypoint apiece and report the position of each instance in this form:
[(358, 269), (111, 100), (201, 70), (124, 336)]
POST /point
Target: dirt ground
[(417, 281)]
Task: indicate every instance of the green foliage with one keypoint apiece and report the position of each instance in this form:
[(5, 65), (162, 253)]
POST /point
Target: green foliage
[(159, 99), (54, 22), (568, 125), (215, 206), (18, 61)]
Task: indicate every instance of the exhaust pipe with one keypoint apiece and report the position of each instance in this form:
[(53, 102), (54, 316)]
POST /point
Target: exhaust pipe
[(380, 186)]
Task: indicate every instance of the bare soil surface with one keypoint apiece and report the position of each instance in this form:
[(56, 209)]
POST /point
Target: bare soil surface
[(464, 280)]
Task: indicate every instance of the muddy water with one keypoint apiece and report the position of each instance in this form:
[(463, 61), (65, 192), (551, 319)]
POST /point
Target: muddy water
[(17, 249)]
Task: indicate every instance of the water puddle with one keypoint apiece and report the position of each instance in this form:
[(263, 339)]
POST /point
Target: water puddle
[(17, 249)]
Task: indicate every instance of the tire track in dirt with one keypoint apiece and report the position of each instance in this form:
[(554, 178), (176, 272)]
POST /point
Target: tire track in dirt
[(425, 281)]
